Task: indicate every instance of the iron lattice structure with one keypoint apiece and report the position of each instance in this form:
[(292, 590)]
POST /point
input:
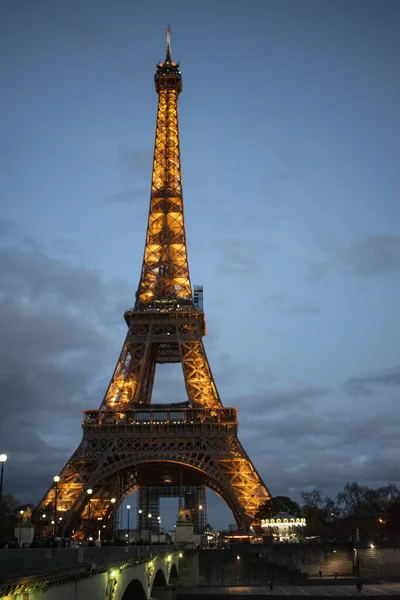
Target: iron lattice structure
[(130, 443)]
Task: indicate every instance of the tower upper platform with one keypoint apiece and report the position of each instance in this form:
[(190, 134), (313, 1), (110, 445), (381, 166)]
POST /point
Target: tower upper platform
[(168, 75)]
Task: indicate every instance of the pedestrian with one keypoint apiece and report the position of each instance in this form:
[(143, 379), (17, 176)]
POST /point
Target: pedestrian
[(271, 585), (320, 574), (335, 575)]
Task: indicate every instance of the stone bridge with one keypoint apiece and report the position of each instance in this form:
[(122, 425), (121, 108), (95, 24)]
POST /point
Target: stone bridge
[(111, 573)]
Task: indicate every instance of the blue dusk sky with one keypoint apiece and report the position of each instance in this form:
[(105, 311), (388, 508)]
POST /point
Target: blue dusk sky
[(290, 142)]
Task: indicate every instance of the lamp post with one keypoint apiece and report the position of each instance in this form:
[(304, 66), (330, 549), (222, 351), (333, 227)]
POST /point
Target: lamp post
[(149, 527), (89, 492), (140, 523), (113, 501), (56, 479), (21, 514), (3, 458), (128, 508), (159, 525)]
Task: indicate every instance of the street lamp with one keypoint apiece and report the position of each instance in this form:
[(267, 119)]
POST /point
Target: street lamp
[(140, 523), (21, 514), (159, 525), (56, 479), (128, 508), (113, 523), (3, 458), (89, 492)]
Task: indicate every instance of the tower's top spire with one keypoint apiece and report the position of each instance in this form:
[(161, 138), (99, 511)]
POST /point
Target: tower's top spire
[(168, 75), (168, 56)]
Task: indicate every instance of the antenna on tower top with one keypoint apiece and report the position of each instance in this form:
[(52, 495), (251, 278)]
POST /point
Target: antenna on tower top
[(168, 57)]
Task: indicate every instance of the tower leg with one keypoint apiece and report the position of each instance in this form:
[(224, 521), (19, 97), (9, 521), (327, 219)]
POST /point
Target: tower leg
[(196, 501)]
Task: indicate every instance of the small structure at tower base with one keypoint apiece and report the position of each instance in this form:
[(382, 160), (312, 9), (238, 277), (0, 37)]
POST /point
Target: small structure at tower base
[(184, 530)]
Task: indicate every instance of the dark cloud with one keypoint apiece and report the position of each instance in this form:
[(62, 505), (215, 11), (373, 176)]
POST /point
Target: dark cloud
[(137, 161), (5, 226), (371, 382), (321, 269), (238, 258), (374, 254), (34, 274), (130, 196), (283, 305), (308, 425), (298, 309), (300, 450), (57, 352), (305, 435), (329, 468), (65, 247), (286, 398)]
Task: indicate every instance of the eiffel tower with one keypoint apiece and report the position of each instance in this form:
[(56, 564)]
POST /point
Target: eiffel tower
[(131, 444)]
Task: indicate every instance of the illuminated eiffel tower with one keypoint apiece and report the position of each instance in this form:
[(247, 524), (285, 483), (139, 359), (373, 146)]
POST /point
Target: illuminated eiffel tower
[(166, 449)]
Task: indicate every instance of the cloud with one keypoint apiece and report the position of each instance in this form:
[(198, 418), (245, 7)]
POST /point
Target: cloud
[(299, 309), (367, 384), (138, 161), (374, 254), (321, 269), (323, 450), (304, 435), (331, 468), (238, 258), (294, 395), (280, 304), (58, 347), (5, 226), (130, 196)]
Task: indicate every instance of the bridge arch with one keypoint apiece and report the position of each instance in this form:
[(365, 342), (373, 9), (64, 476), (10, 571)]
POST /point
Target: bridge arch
[(159, 584), (134, 591), (174, 575)]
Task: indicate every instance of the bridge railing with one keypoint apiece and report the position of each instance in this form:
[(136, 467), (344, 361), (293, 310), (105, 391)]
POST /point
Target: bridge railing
[(34, 561)]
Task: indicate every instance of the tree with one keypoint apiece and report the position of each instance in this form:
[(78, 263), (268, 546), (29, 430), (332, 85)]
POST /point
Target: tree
[(312, 499), (393, 517), (359, 500), (318, 512), (8, 517), (388, 495), (276, 505)]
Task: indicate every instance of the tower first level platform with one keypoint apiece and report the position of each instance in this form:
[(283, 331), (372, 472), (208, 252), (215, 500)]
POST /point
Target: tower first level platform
[(162, 445)]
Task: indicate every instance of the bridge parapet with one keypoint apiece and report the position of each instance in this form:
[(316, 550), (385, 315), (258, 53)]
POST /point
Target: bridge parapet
[(44, 573), (33, 561)]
